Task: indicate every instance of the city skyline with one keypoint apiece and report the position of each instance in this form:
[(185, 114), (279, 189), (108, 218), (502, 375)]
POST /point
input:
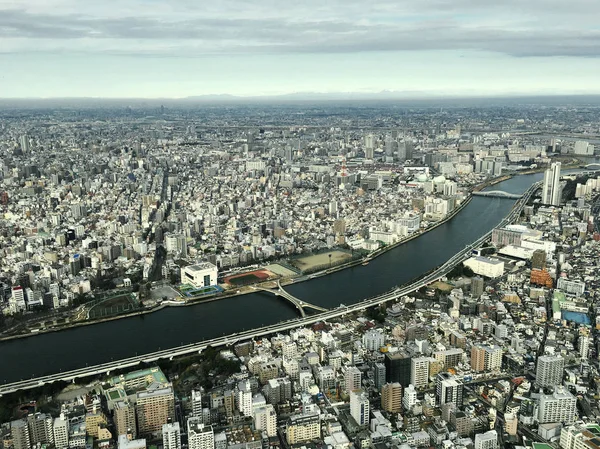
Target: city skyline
[(140, 49)]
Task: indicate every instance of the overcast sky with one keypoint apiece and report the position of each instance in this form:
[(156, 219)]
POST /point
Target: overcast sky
[(179, 48)]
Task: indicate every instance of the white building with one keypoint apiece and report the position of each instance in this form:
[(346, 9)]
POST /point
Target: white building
[(488, 440), (373, 340), (485, 266), (265, 419), (551, 191), (410, 397), (576, 288), (200, 275), (419, 371), (244, 398), (549, 371), (61, 432), (360, 407), (171, 436), (561, 406), (352, 379), (200, 436), (126, 443)]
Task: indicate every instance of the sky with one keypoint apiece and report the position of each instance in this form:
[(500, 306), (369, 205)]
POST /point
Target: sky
[(181, 48)]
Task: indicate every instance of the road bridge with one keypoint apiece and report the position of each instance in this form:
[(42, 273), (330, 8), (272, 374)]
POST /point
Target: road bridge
[(497, 194), (196, 348), (300, 305)]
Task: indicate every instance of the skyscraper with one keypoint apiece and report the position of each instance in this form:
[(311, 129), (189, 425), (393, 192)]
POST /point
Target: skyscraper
[(549, 371), (379, 375), (397, 368), (551, 191)]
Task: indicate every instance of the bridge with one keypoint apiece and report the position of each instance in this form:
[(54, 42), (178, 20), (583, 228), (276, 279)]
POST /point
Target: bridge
[(498, 194), (300, 305), (196, 348), (593, 165)]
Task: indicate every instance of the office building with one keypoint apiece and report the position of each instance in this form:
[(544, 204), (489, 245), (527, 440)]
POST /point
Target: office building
[(398, 368), (487, 440), (560, 406), (360, 407), (391, 398), (303, 428), (549, 371), (449, 389), (551, 190), (154, 407), (200, 436), (171, 435)]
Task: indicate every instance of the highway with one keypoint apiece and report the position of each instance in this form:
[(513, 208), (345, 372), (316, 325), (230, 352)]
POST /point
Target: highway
[(192, 348)]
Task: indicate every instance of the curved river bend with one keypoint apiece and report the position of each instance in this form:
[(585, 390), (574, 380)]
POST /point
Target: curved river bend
[(172, 326)]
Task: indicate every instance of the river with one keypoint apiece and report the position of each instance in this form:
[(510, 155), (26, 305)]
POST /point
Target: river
[(172, 326)]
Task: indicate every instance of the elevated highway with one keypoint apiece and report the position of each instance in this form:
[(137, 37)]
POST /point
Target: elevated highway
[(196, 348)]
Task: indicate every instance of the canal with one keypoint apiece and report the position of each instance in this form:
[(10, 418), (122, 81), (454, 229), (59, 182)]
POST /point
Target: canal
[(173, 326)]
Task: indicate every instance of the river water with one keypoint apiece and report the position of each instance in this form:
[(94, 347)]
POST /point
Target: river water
[(170, 327)]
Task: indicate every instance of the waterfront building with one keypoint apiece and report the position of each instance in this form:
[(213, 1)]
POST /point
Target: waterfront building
[(551, 190), (485, 266), (124, 418), (154, 407), (200, 275)]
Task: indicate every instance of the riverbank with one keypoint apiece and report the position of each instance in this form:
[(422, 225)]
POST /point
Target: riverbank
[(248, 290)]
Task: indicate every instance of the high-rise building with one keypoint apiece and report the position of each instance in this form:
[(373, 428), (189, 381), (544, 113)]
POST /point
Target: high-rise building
[(265, 419), (398, 368), (560, 406), (20, 434), (352, 379), (171, 434), (379, 375), (486, 358), (583, 342), (24, 142), (360, 407), (40, 429), (124, 418), (419, 372), (549, 371), (477, 286), (244, 398), (538, 259), (391, 398), (551, 191), (487, 440), (154, 407), (449, 389), (200, 436), (60, 428), (579, 436)]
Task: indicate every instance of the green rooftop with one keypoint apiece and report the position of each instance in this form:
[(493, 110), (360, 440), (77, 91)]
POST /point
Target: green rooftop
[(542, 446), (154, 374)]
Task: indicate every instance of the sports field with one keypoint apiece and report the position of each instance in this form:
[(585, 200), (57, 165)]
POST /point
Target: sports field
[(321, 260), (250, 277)]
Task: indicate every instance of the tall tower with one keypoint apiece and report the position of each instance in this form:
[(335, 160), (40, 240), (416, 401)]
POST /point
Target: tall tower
[(360, 407), (549, 370), (551, 193)]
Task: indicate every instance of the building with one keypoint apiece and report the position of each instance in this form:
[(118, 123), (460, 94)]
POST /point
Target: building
[(128, 443), (397, 368), (576, 288), (352, 379), (580, 436), (419, 372), (244, 398), (477, 286), (60, 428), (303, 428), (487, 440), (410, 397), (200, 436), (124, 418), (265, 419), (538, 259), (505, 237), (486, 358), (373, 340), (171, 435), (552, 191), (20, 434), (450, 358), (560, 406), (391, 398), (449, 389), (200, 275), (379, 375), (484, 266), (541, 277), (549, 371), (154, 408), (360, 407), (40, 429)]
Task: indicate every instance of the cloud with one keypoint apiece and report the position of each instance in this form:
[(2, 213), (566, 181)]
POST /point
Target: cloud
[(186, 28)]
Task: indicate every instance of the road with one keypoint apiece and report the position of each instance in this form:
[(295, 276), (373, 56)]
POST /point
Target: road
[(392, 295)]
